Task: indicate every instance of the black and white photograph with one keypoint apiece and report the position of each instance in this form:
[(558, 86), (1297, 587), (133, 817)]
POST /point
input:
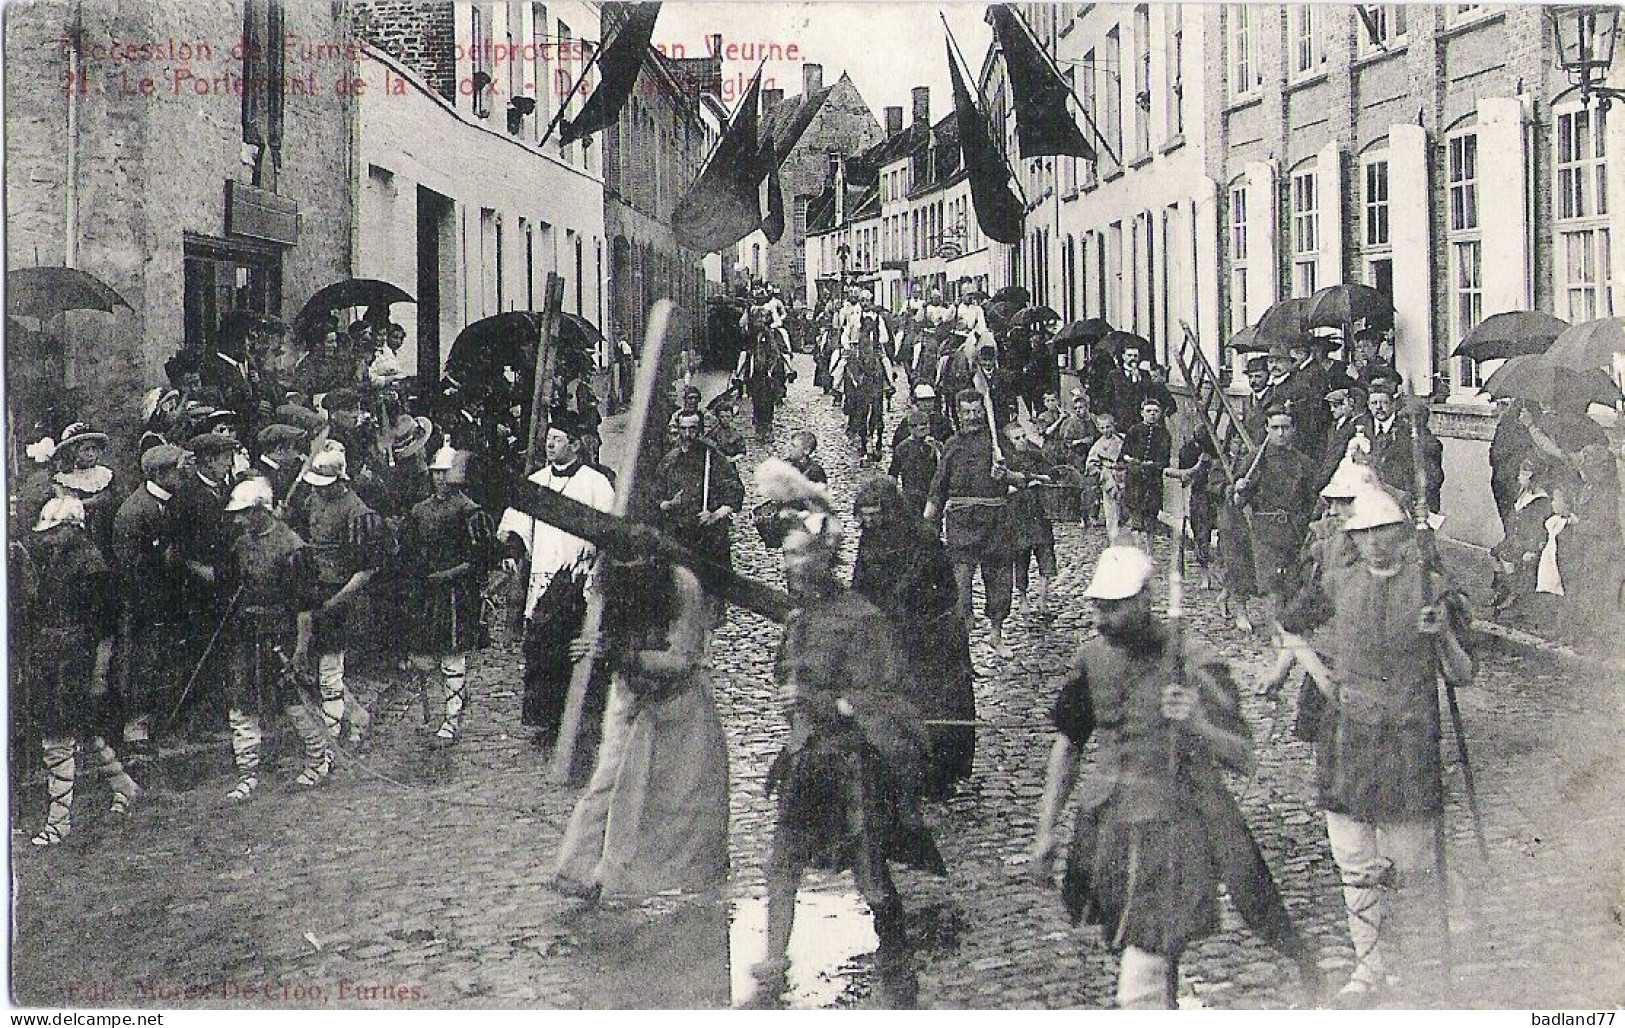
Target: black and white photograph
[(834, 505)]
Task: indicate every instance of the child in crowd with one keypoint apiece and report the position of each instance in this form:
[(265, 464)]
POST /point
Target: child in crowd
[(803, 445), (1105, 469)]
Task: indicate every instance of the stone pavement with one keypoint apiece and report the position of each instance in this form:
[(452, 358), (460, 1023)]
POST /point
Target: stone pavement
[(416, 879)]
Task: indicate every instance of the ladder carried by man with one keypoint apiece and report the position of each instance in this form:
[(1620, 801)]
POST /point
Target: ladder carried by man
[(1217, 416)]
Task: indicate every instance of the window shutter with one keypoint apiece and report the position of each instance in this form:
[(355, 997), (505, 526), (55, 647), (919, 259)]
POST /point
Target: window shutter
[(1205, 281), (1410, 229), (1263, 267), (1503, 205), (1329, 266)]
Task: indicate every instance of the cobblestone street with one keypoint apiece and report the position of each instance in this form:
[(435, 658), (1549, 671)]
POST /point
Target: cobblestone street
[(416, 878)]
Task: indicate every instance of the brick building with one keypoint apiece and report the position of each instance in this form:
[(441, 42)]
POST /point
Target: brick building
[(158, 177), (806, 129), (652, 154), (1436, 153), (460, 201)]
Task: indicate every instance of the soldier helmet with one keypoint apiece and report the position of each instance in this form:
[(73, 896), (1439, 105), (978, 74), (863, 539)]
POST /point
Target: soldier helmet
[(327, 467), (924, 391), (1373, 508), (1122, 572), (453, 462), (1349, 480), (250, 492)]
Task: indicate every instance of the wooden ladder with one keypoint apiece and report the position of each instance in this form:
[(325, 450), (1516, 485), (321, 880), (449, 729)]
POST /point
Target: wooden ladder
[(1217, 416)]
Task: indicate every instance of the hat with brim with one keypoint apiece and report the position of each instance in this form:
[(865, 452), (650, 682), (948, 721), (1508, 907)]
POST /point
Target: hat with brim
[(1257, 362), (77, 433), (1280, 348), (411, 435), (925, 391), (326, 468), (1339, 394), (1121, 573), (250, 492), (1373, 508), (562, 419)]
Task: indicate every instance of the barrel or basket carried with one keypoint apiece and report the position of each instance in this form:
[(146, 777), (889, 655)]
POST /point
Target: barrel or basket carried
[(770, 524), (1063, 498)]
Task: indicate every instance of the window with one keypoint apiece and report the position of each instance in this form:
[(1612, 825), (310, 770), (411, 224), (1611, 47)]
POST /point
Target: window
[(479, 53), (1112, 73), (1466, 246), (569, 67), (1584, 283), (1374, 226), (1114, 269), (1142, 80), (1382, 27), (1069, 165), (1089, 108), (1174, 68), (1305, 231), (1308, 40), (218, 276), (542, 70), (1245, 75), (1238, 258)]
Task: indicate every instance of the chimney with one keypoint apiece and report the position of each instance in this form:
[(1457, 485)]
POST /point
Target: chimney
[(716, 44), (894, 121), (812, 78), (771, 97), (922, 105)]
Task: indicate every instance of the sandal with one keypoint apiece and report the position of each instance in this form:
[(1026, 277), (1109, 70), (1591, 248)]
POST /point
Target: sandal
[(241, 791), (50, 835), (313, 774)]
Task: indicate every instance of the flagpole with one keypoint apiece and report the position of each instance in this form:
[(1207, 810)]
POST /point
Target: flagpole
[(1015, 179), (575, 87), (1101, 139)]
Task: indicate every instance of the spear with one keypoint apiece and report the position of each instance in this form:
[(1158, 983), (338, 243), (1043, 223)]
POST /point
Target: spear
[(1176, 648)]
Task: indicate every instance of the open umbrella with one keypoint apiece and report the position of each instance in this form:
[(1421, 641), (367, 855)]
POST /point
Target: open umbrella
[(1089, 330), (1283, 323), (1002, 312), (1246, 341), (1016, 294), (1542, 379), (1340, 306), (352, 292), (485, 349), (1040, 314), (1591, 345), (1512, 334), (48, 291)]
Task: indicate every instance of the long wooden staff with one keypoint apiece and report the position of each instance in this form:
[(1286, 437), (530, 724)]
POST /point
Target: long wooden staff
[(1176, 646), (654, 342)]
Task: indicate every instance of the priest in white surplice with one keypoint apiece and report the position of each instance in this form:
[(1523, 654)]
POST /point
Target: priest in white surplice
[(558, 570)]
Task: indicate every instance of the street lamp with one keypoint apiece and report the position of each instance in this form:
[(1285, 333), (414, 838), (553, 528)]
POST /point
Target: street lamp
[(1585, 38)]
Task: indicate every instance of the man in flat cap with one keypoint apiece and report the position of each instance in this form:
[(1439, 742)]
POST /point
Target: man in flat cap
[(1149, 853), (558, 570), (1389, 430), (914, 461), (152, 585), (282, 452), (698, 491), (1347, 405), (203, 541)]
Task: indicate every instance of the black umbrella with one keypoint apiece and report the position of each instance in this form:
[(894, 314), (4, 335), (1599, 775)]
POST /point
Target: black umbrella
[(1039, 315), (48, 291), (1015, 294), (1089, 330), (352, 292), (1283, 323), (1545, 381), (1512, 334), (1246, 341), (485, 349), (1002, 312), (1342, 305), (1594, 344)]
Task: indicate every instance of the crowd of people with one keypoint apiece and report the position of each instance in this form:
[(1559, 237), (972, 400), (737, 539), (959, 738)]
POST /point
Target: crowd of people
[(270, 506)]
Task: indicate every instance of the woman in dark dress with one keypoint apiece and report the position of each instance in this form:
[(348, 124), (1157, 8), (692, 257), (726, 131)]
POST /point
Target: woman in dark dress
[(903, 568)]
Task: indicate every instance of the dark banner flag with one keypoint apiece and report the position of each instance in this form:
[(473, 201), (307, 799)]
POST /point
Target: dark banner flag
[(998, 210), (724, 205), (773, 224), (1044, 124), (618, 65)]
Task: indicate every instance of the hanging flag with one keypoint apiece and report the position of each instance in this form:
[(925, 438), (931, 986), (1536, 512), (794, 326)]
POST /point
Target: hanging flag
[(773, 224), (619, 62), (1044, 124), (724, 205), (998, 209)]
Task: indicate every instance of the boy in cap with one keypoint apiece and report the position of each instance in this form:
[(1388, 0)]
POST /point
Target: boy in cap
[(73, 619), (558, 570), (1147, 449), (273, 573), (447, 546), (1377, 758), (1148, 854), (914, 461), (152, 584), (350, 543)]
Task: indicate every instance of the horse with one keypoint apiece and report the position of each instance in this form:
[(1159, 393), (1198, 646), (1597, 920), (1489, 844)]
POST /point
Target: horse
[(763, 370), (866, 383)]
